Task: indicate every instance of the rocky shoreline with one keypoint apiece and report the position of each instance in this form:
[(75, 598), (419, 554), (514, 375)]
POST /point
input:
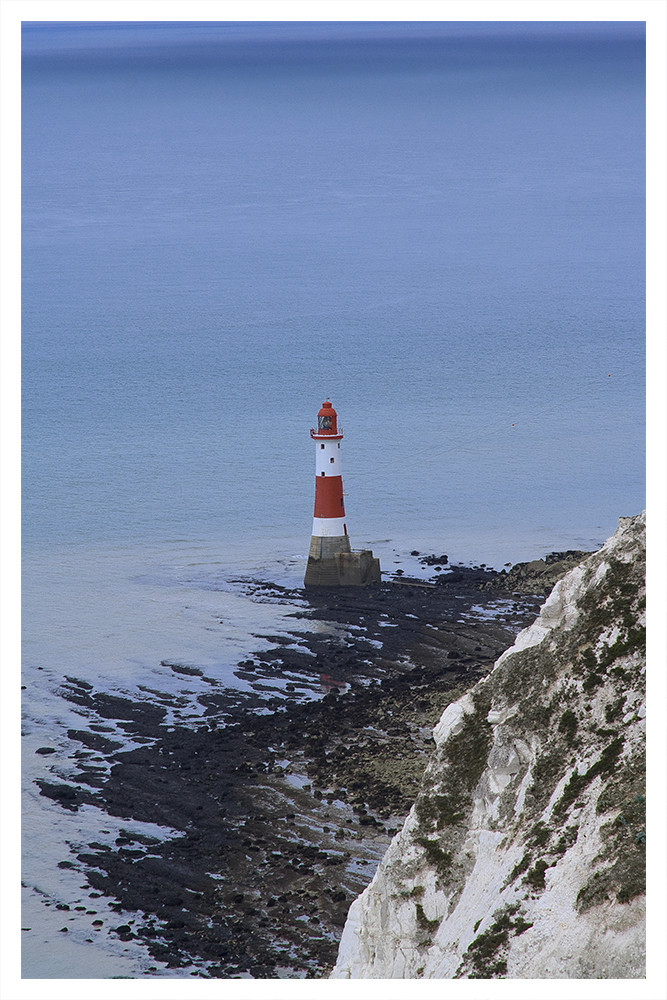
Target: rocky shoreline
[(285, 797)]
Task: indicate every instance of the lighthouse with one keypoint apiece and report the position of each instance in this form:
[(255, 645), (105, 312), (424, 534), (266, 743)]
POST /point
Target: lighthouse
[(331, 561)]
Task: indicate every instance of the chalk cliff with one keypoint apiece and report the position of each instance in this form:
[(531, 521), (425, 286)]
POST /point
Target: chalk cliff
[(523, 855)]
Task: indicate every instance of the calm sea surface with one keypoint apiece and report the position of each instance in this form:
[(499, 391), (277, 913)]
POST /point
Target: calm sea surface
[(440, 227)]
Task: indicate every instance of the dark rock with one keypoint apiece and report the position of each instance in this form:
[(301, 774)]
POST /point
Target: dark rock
[(68, 796), (93, 740), (240, 818), (537, 577), (79, 683)]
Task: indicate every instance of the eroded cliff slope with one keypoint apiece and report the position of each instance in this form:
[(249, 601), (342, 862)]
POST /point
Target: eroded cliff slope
[(523, 855)]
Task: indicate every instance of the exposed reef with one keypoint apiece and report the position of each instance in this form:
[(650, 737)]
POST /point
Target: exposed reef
[(283, 798)]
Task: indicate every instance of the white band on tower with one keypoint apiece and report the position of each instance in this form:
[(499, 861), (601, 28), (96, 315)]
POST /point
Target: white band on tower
[(329, 527), (327, 458)]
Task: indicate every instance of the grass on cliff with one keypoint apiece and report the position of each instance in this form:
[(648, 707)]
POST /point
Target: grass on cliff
[(486, 956), (601, 657), (621, 865), (442, 816)]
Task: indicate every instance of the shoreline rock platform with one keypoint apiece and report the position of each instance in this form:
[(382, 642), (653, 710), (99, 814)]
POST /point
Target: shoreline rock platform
[(285, 797)]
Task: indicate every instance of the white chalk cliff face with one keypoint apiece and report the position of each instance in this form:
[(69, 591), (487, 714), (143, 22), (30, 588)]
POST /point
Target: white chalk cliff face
[(524, 853)]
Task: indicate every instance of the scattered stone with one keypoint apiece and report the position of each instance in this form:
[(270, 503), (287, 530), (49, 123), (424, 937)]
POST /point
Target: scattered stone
[(257, 850), (536, 577)]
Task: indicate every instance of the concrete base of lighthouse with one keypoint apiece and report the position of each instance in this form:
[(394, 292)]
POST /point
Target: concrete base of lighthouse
[(331, 563)]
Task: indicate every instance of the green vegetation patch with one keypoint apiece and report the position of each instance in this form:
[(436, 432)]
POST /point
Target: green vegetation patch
[(628, 783), (436, 855), (520, 868), (441, 817), (439, 810), (467, 754), (486, 957), (565, 841), (568, 725), (617, 601), (522, 675), (423, 921), (620, 596), (546, 773), (537, 840), (535, 876), (578, 782), (468, 750), (625, 846), (539, 835), (633, 641), (614, 710), (625, 880)]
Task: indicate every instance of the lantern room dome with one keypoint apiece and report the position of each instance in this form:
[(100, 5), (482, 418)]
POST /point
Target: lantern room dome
[(327, 422)]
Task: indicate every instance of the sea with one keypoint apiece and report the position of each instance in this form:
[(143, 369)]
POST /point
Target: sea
[(437, 226)]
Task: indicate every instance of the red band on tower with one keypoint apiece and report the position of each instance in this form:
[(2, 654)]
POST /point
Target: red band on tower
[(329, 496)]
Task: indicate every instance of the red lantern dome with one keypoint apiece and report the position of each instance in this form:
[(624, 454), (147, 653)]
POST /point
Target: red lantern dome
[(327, 422)]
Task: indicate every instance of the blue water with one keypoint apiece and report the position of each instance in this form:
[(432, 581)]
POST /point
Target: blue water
[(439, 226), (450, 247)]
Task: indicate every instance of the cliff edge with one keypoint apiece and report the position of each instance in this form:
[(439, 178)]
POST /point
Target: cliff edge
[(523, 855)]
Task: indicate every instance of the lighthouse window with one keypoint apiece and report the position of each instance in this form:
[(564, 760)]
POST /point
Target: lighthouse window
[(324, 423), (331, 459), (321, 473), (321, 446), (339, 444)]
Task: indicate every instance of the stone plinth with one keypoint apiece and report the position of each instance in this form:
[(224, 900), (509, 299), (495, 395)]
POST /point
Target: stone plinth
[(331, 563)]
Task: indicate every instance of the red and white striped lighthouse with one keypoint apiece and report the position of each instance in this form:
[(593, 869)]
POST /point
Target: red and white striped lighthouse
[(331, 561), (329, 516)]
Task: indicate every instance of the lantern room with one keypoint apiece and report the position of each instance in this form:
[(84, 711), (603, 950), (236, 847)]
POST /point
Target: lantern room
[(327, 423)]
